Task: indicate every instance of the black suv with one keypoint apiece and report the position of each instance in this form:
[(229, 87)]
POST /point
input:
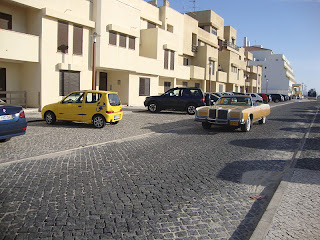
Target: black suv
[(181, 99), (277, 97)]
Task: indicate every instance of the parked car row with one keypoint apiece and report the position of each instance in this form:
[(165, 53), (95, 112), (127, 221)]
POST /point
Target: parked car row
[(101, 107)]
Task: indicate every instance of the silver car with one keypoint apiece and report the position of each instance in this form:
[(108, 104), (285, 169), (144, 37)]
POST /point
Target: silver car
[(255, 97)]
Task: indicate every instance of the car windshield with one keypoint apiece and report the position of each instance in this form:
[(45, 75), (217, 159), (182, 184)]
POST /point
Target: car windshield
[(114, 100), (237, 101), (2, 102)]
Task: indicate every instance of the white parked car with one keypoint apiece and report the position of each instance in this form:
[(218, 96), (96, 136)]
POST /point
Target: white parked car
[(255, 97)]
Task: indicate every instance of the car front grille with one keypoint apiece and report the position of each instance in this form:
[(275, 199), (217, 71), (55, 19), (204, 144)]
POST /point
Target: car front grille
[(223, 114), (212, 113)]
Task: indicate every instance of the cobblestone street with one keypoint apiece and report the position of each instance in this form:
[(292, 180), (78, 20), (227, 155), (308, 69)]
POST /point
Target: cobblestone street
[(153, 176)]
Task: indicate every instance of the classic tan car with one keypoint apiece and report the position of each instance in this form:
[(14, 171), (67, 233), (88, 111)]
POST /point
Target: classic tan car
[(236, 111)]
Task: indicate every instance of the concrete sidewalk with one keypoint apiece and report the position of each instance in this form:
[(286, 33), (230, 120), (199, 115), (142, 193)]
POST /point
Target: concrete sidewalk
[(294, 211)]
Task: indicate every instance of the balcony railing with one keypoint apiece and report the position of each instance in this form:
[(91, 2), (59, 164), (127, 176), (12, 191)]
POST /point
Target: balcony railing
[(230, 44), (14, 97), (194, 48)]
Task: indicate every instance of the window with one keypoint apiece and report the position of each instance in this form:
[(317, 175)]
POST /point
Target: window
[(214, 31), (185, 84), (170, 28), (234, 69), (265, 67), (76, 97), (173, 93), (69, 82), (123, 40), (144, 87), (93, 97), (132, 43), (212, 67), (197, 85), (114, 99), (151, 25), (112, 38), (167, 86), (220, 87), (185, 61), (166, 59), (5, 21), (63, 37), (172, 60), (77, 40)]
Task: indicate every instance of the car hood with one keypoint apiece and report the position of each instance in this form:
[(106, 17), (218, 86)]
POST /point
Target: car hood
[(231, 107)]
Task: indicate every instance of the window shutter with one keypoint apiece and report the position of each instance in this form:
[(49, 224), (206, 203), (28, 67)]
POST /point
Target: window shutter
[(63, 37), (123, 41), (132, 43), (141, 87), (77, 40), (172, 60), (69, 82), (112, 38), (166, 59)]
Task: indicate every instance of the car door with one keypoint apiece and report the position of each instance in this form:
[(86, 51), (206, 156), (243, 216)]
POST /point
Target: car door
[(92, 105), (71, 107), (170, 100)]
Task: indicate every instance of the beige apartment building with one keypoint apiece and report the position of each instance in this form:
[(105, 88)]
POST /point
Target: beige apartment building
[(139, 49)]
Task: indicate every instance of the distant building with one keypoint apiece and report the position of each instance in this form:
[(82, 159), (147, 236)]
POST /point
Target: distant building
[(277, 76)]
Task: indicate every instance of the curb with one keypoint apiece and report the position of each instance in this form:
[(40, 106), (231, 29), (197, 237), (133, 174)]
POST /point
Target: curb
[(265, 222)]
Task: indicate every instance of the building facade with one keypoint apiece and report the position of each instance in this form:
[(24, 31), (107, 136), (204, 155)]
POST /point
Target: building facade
[(277, 74), (140, 50)]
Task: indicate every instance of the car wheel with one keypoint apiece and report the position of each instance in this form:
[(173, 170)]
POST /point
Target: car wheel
[(153, 107), (206, 125), (191, 109), (114, 123), (50, 118), (98, 121), (262, 120), (247, 126), (277, 100)]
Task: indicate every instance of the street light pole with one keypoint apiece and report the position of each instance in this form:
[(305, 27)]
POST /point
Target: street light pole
[(210, 76), (94, 35)]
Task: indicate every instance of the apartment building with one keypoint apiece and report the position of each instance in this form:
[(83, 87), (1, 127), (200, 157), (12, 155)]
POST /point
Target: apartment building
[(138, 49), (277, 74), (253, 75)]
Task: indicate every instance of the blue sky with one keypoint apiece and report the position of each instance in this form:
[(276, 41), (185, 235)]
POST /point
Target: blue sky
[(289, 27)]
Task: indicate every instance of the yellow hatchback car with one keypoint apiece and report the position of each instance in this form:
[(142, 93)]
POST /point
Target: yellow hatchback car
[(90, 106)]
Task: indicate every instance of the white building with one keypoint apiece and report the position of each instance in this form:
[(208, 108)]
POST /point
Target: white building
[(277, 76)]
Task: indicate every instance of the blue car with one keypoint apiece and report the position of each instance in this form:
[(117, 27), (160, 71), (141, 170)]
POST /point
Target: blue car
[(12, 121)]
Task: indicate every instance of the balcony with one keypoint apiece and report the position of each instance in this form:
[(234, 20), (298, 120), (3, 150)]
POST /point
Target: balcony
[(197, 72), (227, 44), (17, 46), (222, 76)]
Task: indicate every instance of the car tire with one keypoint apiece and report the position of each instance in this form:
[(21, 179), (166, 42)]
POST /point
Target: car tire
[(276, 101), (262, 120), (206, 125), (153, 107), (247, 126), (50, 118), (191, 109), (98, 121)]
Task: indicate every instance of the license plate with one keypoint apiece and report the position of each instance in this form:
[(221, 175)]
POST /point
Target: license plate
[(116, 117), (234, 123), (5, 117)]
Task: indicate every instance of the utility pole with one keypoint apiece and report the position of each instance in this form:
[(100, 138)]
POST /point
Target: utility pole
[(194, 5)]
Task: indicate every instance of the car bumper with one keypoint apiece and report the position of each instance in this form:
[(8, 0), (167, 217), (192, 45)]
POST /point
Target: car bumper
[(228, 122), (114, 117), (12, 130)]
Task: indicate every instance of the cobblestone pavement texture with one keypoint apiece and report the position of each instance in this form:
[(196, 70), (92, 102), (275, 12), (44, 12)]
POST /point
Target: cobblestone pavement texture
[(298, 215), (153, 176)]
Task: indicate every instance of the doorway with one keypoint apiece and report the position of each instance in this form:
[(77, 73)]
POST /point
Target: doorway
[(103, 81), (3, 86)]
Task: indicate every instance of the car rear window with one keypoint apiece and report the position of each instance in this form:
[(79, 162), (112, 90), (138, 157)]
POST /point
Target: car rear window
[(114, 100)]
